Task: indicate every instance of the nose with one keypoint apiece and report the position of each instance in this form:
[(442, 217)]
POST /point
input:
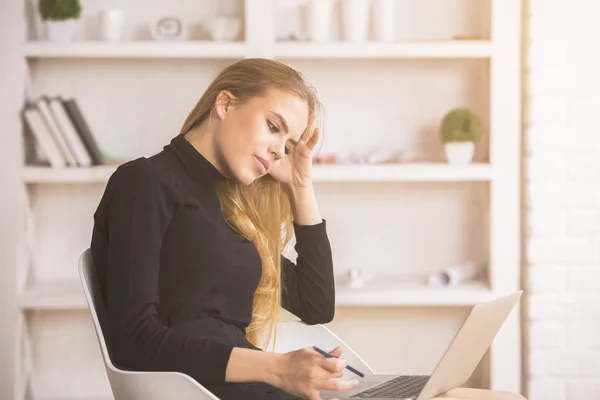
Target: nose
[(278, 151), (278, 155)]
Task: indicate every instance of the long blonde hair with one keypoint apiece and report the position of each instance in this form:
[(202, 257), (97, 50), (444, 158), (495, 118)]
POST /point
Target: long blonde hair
[(261, 211)]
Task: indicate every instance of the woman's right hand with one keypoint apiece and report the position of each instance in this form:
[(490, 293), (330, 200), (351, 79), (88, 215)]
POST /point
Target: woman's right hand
[(305, 373)]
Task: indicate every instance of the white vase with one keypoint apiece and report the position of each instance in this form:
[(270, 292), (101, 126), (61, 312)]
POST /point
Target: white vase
[(384, 19), (112, 24), (61, 31), (355, 20), (319, 16), (459, 153)]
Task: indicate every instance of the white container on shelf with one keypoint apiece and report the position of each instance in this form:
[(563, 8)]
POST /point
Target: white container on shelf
[(112, 24), (383, 13), (225, 29), (459, 153), (61, 31), (319, 14), (355, 20)]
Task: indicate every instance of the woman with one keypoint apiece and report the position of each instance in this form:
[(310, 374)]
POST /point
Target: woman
[(188, 242)]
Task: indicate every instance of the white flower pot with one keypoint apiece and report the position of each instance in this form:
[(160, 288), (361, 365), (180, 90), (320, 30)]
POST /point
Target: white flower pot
[(355, 20), (319, 18), (459, 153), (61, 31)]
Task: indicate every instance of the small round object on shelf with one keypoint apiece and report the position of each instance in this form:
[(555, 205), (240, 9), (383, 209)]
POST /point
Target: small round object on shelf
[(167, 28)]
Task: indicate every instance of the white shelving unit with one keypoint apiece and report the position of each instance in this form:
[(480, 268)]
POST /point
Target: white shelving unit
[(482, 200)]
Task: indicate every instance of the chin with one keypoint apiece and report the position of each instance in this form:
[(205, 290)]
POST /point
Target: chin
[(246, 182), (242, 175), (246, 178)]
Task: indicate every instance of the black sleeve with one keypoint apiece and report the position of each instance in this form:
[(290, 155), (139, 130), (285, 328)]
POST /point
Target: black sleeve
[(138, 210), (308, 287)]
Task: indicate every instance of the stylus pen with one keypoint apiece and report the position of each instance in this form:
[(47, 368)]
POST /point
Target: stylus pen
[(347, 366)]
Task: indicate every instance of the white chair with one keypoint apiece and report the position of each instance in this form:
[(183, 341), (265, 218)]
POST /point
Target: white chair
[(142, 385)]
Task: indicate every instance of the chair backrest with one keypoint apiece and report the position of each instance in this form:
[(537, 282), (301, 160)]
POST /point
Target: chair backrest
[(96, 305), (132, 385)]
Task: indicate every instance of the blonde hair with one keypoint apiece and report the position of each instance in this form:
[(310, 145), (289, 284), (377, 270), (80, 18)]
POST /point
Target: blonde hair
[(260, 211)]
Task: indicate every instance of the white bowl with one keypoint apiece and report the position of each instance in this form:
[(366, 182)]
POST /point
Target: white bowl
[(224, 29)]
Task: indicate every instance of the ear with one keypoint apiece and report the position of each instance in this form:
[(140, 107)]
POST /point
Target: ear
[(223, 103)]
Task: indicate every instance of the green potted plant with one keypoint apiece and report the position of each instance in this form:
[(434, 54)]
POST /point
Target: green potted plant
[(60, 17), (460, 129)]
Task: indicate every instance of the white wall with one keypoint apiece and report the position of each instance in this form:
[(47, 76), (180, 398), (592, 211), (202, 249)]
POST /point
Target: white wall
[(563, 199)]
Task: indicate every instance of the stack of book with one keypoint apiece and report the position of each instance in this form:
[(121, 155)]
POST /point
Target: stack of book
[(60, 134)]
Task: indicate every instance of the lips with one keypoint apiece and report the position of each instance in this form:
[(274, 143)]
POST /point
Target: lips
[(263, 164)]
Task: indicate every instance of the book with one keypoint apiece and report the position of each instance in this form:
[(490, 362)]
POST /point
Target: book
[(37, 127), (86, 135), (44, 109), (58, 134), (69, 132)]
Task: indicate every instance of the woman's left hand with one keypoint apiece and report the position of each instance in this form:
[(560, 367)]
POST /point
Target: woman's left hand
[(295, 168)]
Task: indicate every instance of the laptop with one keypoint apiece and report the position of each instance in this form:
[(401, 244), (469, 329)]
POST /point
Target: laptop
[(454, 368)]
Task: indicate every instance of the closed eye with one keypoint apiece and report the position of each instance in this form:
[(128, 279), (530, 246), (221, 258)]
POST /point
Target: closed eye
[(272, 127)]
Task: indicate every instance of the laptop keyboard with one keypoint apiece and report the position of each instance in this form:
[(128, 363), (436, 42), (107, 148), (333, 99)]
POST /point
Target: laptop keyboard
[(401, 387)]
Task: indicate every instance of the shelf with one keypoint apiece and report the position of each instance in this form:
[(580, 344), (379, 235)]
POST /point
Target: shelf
[(410, 172), (68, 295), (414, 172), (141, 49), (54, 295), (386, 294), (40, 396), (282, 50), (424, 49), (98, 174)]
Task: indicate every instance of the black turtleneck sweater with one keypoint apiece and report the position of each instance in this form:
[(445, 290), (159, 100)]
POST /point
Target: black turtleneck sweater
[(165, 254)]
